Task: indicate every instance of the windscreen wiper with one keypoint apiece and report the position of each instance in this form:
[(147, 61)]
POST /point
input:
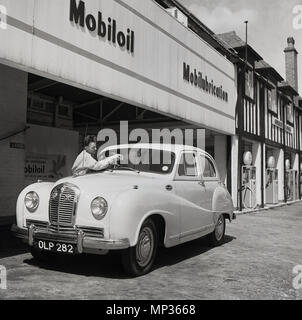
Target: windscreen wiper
[(117, 167)]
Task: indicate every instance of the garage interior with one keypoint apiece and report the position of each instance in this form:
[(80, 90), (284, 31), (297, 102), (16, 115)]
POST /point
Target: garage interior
[(58, 105)]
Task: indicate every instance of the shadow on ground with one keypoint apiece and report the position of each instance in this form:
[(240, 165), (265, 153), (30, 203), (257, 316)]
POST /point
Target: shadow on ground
[(109, 266), (10, 246), (171, 256)]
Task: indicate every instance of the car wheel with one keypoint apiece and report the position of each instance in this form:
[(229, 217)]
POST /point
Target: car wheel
[(138, 260), (216, 238)]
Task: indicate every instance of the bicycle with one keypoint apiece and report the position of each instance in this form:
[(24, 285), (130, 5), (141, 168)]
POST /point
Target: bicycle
[(249, 200)]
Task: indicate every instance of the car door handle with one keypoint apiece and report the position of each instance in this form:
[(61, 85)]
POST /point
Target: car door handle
[(169, 187), (201, 183)]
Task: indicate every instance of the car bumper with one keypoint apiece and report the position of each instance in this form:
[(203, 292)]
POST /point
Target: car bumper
[(84, 243)]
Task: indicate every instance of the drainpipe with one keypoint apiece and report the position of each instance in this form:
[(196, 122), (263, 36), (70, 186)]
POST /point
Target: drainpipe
[(240, 170), (262, 137), (284, 157), (262, 173), (299, 152), (241, 83)]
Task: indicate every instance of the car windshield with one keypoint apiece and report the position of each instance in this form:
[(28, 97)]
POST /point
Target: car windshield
[(142, 159)]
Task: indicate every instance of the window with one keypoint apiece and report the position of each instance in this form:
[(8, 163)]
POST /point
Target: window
[(37, 104), (187, 166), (143, 159), (249, 84), (64, 111), (207, 168), (272, 101), (290, 113)]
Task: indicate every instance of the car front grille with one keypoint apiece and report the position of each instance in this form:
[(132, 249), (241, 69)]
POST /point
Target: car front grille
[(42, 226), (37, 224), (61, 228), (63, 204), (93, 232)]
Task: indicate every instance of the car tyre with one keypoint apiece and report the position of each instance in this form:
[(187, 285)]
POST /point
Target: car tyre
[(138, 260), (216, 238)]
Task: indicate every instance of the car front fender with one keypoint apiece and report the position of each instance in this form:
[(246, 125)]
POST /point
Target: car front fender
[(133, 207), (43, 190)]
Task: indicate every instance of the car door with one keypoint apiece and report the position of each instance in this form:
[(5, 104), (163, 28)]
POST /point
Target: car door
[(194, 220), (210, 180)]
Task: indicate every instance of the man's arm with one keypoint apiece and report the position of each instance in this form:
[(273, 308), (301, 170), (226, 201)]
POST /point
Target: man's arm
[(103, 164), (86, 161)]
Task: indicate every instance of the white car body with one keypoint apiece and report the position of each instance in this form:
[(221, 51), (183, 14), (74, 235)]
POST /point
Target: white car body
[(186, 207)]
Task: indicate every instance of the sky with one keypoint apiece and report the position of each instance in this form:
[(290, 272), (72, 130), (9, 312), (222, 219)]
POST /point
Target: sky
[(271, 22)]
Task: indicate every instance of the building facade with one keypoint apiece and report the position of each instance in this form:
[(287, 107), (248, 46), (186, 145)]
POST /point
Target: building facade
[(267, 144)]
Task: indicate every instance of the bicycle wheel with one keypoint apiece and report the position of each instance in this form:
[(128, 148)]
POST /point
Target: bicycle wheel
[(249, 200)]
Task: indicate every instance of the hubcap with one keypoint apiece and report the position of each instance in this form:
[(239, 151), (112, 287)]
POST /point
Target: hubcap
[(219, 228), (145, 247)]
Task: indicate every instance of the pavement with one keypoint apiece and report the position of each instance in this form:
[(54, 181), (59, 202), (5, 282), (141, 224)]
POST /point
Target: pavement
[(255, 262)]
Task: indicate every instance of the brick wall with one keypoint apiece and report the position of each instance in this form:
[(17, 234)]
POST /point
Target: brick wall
[(291, 63), (13, 103), (291, 67)]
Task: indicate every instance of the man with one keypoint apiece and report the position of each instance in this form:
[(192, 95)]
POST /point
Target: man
[(85, 160)]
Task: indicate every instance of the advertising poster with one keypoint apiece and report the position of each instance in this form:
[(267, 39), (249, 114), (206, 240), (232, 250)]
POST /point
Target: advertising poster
[(44, 167)]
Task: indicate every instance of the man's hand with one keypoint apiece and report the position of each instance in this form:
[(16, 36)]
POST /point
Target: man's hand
[(115, 158)]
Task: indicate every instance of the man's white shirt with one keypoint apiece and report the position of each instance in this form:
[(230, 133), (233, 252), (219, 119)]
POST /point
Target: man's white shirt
[(85, 161)]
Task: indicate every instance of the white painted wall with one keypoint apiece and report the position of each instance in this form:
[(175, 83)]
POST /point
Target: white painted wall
[(220, 150), (280, 166), (256, 151), (295, 161), (13, 100)]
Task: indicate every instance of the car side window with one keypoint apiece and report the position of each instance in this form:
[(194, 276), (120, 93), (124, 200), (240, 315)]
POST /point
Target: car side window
[(187, 166), (207, 167)]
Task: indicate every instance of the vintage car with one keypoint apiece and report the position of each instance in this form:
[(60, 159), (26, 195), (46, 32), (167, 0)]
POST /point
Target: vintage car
[(163, 195)]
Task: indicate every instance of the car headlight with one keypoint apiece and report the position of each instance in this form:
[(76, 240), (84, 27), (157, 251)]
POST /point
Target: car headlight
[(31, 201), (99, 208)]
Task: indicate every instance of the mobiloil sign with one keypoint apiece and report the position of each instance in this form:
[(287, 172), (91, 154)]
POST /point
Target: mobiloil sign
[(105, 28)]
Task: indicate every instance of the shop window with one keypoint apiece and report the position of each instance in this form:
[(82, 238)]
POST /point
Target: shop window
[(249, 84)]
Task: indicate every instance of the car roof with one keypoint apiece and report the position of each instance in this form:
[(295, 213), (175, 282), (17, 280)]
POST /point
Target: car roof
[(162, 146)]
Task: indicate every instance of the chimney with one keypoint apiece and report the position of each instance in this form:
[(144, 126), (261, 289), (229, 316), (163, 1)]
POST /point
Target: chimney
[(291, 63)]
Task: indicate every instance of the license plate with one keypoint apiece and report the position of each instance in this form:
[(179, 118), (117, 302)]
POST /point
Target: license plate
[(57, 247)]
